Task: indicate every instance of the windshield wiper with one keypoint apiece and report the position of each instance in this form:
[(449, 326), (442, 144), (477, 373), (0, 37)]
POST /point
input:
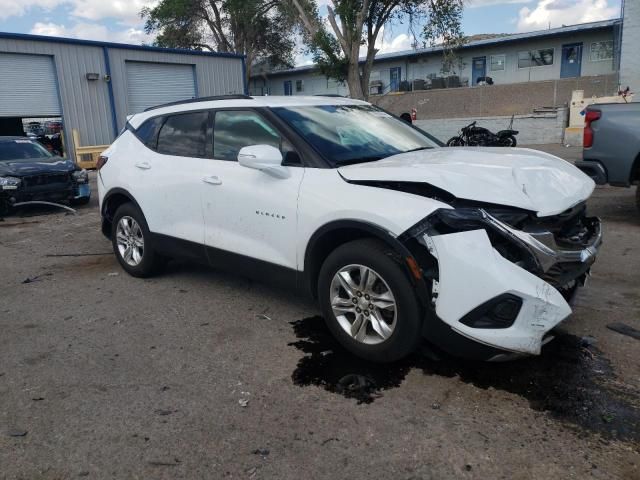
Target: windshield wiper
[(351, 161), (418, 149)]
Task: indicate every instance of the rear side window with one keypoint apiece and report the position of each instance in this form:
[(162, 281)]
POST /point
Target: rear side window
[(233, 130), (148, 132), (184, 135)]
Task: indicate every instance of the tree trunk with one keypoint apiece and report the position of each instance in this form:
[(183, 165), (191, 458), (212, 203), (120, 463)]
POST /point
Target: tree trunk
[(354, 82)]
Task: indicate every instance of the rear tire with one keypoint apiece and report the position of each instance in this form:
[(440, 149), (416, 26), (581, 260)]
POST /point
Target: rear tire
[(509, 141), (364, 275), (132, 242), (638, 196)]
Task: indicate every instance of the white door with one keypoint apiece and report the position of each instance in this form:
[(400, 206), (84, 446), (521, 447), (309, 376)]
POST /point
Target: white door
[(168, 176), (28, 86), (150, 84), (246, 211)]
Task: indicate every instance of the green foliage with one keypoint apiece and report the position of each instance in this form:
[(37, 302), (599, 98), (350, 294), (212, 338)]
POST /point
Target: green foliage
[(260, 29), (358, 23)]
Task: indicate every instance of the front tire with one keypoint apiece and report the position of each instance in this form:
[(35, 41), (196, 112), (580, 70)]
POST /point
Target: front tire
[(638, 196), (455, 142), (369, 303), (132, 242)]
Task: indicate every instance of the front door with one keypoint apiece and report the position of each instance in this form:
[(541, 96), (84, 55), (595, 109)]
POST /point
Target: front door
[(479, 69), (394, 79), (571, 60), (288, 88), (249, 212)]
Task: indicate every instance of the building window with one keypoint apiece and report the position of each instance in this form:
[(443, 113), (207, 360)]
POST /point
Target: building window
[(497, 62), (535, 58), (601, 51), (299, 85)]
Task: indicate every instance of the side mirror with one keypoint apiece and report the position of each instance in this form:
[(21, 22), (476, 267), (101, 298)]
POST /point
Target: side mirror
[(265, 158)]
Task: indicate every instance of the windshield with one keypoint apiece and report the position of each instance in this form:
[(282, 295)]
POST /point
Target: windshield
[(346, 134), (22, 149)]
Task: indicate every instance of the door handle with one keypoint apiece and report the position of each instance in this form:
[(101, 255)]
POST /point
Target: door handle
[(212, 180), (143, 165)]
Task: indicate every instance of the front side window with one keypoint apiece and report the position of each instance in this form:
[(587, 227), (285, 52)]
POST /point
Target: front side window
[(233, 130), (601, 51), (535, 58), (497, 62), (345, 134), (184, 135)]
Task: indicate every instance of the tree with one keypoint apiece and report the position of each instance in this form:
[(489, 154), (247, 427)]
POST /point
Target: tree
[(358, 23), (259, 29)]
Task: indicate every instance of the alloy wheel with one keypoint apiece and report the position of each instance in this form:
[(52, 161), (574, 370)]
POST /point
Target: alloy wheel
[(130, 241), (363, 304)]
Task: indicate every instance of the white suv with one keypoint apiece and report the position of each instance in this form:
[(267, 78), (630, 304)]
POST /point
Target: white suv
[(476, 250)]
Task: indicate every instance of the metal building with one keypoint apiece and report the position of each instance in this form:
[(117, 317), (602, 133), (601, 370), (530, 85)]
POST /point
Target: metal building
[(92, 86)]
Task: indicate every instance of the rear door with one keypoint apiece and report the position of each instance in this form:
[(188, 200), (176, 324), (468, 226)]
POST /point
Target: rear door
[(246, 211), (168, 174)]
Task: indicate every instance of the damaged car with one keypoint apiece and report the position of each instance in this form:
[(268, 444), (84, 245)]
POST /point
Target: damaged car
[(30, 173), (400, 241)]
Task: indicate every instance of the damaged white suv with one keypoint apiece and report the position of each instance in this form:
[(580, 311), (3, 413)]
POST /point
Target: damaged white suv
[(476, 250)]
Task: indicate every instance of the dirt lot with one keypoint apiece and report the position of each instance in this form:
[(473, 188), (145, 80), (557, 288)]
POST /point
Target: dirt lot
[(199, 374)]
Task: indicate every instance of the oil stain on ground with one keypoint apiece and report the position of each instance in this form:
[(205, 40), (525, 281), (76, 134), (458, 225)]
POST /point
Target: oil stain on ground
[(571, 380)]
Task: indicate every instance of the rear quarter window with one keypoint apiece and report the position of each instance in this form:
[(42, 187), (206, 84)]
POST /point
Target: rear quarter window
[(147, 133)]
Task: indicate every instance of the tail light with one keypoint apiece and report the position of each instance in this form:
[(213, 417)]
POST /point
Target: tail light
[(591, 116), (101, 162)]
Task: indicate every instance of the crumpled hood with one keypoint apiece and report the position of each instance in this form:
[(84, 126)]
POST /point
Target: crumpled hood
[(22, 168), (516, 177)]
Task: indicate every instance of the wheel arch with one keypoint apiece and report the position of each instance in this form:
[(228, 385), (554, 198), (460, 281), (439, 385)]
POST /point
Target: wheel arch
[(635, 171), (334, 234), (112, 200)]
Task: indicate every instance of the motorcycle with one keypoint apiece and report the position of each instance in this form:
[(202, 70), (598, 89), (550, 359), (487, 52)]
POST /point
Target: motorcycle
[(474, 136)]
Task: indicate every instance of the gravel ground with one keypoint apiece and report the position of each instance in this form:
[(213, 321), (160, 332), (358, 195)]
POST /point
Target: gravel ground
[(200, 374)]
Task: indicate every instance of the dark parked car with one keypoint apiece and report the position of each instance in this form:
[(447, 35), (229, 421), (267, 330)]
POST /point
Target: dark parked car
[(29, 172)]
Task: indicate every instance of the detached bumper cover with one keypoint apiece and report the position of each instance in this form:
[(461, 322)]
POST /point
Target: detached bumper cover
[(471, 272)]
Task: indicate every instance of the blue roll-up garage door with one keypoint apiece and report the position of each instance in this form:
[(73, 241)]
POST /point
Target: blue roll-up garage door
[(151, 84), (28, 86)]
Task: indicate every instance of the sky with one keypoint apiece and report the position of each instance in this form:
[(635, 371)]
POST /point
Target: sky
[(119, 20)]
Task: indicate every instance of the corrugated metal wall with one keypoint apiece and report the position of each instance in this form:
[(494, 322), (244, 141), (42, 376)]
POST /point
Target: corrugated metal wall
[(214, 75), (86, 105)]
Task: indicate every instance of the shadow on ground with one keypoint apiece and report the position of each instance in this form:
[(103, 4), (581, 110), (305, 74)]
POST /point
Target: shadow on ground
[(571, 379)]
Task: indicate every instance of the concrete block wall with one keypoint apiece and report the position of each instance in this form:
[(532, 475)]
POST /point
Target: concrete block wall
[(495, 100), (535, 129)]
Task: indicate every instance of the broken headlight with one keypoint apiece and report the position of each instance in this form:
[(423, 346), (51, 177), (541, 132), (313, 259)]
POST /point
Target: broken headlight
[(455, 220), (9, 183), (81, 176)]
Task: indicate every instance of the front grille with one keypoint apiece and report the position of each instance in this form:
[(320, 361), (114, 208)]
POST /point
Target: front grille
[(571, 229), (45, 180)]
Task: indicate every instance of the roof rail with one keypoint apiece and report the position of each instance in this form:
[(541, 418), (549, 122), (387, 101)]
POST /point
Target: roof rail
[(202, 99), (331, 95)]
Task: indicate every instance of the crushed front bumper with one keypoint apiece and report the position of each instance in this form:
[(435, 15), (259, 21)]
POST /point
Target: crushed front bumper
[(473, 278)]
